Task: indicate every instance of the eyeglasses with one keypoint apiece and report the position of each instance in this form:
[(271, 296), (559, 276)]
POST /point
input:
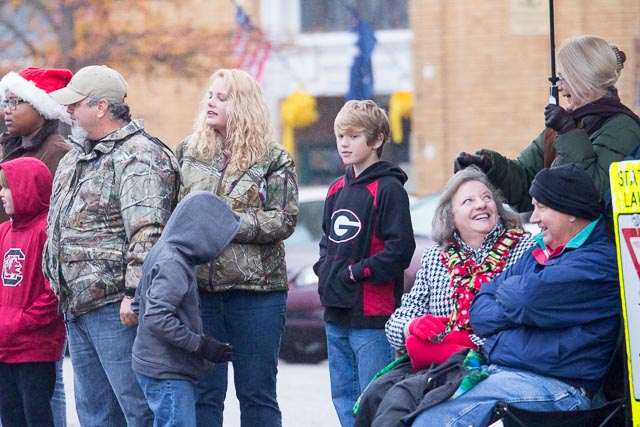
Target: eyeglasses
[(11, 103)]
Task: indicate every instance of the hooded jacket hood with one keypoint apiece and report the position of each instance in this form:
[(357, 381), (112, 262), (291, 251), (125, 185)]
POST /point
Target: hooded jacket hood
[(196, 235), (30, 183), (376, 171)]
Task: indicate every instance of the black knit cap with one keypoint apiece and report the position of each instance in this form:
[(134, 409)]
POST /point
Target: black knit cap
[(567, 189)]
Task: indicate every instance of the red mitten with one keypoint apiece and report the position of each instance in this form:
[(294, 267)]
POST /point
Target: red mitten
[(459, 338), (424, 353), (427, 326)]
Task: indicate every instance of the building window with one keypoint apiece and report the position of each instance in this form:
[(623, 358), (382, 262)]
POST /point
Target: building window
[(332, 15), (317, 158)]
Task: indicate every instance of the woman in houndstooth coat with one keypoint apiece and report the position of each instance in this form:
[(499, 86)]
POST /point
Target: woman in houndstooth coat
[(477, 239)]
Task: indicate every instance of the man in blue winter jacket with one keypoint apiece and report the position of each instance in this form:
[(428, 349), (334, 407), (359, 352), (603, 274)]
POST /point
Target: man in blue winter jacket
[(551, 321)]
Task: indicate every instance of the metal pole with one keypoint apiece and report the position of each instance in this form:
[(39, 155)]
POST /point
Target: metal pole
[(553, 92)]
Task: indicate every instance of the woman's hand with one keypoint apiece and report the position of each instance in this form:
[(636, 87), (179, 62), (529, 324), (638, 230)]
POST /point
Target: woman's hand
[(558, 119), (464, 160), (427, 327)]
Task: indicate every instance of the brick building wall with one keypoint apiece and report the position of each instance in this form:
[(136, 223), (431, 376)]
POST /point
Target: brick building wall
[(481, 69), (169, 104)]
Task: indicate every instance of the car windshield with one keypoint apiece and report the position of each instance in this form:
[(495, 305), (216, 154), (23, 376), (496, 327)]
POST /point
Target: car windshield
[(422, 212), (309, 227)]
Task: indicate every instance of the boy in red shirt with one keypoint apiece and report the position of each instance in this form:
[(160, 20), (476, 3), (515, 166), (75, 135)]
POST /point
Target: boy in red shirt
[(32, 329)]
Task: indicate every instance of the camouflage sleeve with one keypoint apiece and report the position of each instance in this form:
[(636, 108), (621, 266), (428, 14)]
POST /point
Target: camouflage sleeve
[(147, 192), (50, 260), (178, 150), (278, 219)]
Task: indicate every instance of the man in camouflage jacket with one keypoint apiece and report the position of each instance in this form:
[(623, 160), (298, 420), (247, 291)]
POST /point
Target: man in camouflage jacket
[(113, 193)]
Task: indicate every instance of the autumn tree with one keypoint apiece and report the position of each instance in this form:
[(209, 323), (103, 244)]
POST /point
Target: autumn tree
[(137, 35)]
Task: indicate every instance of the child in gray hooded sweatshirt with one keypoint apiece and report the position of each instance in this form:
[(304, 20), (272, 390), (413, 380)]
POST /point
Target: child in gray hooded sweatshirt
[(170, 352)]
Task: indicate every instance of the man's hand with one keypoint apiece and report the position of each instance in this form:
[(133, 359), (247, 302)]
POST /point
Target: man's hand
[(558, 119), (127, 316), (464, 160)]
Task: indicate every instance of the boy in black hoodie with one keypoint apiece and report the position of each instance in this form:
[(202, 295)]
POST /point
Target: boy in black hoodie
[(170, 352), (367, 244)]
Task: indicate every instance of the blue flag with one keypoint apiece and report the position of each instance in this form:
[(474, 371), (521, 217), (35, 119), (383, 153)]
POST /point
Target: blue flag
[(361, 82)]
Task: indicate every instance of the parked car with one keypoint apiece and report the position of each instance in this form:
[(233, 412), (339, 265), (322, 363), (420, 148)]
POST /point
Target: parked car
[(304, 339)]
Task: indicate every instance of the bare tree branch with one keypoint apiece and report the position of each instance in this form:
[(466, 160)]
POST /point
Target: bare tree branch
[(19, 36), (75, 33)]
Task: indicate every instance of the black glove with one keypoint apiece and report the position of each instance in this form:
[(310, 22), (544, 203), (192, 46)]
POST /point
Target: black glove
[(559, 119), (464, 160), (214, 351)]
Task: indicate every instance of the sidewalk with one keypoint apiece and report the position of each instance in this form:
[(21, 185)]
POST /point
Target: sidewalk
[(303, 393)]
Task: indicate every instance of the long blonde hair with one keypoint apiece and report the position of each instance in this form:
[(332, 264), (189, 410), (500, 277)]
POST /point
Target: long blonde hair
[(249, 130), (590, 67)]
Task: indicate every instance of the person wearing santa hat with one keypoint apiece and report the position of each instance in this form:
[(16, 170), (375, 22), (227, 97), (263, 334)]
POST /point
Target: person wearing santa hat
[(32, 119)]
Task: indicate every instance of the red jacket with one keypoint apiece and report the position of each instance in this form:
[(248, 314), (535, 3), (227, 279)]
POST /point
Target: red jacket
[(31, 329)]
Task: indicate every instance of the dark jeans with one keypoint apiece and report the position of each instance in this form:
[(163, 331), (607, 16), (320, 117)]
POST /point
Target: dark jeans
[(25, 394), (253, 323)]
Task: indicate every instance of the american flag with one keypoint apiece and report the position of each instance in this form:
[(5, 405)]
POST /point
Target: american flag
[(250, 47)]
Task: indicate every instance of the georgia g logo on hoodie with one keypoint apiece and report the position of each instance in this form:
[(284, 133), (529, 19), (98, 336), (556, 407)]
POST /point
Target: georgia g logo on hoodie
[(12, 267), (345, 225)]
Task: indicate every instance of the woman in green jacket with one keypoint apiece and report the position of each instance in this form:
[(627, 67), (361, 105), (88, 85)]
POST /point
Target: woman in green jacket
[(595, 129), (243, 292)]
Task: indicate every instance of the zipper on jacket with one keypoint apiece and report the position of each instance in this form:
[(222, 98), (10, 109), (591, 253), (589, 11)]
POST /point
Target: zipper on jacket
[(223, 172)]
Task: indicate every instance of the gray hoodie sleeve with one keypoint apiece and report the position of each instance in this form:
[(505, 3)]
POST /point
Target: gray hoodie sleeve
[(169, 287)]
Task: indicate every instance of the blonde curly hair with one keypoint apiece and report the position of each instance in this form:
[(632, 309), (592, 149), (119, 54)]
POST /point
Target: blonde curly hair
[(249, 130)]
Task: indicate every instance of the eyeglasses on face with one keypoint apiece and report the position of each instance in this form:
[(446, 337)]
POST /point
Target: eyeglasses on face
[(11, 103)]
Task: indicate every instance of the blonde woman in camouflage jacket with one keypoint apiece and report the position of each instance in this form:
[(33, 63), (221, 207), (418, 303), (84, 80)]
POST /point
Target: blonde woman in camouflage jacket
[(243, 292)]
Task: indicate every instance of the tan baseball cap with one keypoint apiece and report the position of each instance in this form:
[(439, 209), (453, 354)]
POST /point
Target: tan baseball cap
[(95, 81)]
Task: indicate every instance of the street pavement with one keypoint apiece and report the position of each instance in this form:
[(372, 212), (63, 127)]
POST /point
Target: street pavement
[(303, 393)]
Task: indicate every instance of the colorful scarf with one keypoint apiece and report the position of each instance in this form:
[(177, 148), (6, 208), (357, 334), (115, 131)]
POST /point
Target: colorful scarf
[(467, 276), (476, 366)]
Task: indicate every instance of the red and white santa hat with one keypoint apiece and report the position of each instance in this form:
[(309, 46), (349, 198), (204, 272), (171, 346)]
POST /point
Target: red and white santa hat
[(34, 85)]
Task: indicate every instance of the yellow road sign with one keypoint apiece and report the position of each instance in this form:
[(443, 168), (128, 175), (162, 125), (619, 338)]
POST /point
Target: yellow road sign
[(625, 198)]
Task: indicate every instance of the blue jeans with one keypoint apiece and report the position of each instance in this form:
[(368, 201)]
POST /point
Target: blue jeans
[(253, 323), (106, 390), (519, 388), (173, 402), (355, 356), (59, 399)]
